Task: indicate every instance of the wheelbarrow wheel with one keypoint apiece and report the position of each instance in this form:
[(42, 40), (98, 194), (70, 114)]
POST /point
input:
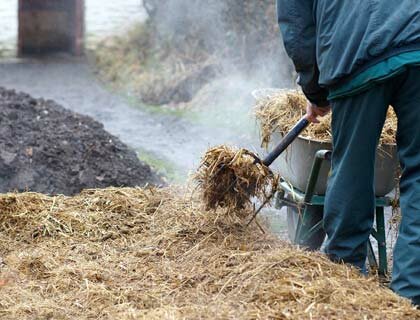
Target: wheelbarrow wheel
[(293, 221)]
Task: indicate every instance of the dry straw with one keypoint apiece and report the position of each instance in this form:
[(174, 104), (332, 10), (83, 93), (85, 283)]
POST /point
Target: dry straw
[(278, 112), (154, 254), (229, 178)]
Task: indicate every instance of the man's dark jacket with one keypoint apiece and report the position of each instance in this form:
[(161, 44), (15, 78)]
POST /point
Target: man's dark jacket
[(330, 41)]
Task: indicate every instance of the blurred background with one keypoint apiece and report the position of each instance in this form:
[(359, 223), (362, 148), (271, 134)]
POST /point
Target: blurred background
[(169, 78)]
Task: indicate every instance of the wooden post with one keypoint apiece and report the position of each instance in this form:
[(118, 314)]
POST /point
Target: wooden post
[(48, 26), (20, 31), (79, 22)]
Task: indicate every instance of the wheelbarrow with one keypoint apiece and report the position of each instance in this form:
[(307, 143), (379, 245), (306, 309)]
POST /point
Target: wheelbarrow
[(304, 170)]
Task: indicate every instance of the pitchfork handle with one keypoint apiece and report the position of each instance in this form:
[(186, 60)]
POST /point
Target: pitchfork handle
[(286, 141)]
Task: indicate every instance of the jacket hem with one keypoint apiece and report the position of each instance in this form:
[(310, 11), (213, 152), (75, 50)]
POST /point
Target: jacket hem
[(393, 52)]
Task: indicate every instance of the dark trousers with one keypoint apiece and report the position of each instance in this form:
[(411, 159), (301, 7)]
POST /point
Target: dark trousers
[(350, 199)]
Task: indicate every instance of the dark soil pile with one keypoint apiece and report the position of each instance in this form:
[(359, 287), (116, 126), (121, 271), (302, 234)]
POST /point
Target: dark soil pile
[(46, 148)]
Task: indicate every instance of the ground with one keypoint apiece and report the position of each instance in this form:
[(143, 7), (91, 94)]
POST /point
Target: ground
[(172, 141)]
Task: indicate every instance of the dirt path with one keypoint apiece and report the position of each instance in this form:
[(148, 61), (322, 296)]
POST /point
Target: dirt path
[(173, 141)]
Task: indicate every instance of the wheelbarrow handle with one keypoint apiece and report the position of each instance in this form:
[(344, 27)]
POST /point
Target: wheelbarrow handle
[(286, 141)]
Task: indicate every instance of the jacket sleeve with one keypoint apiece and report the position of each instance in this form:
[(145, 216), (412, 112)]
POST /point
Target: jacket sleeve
[(297, 25)]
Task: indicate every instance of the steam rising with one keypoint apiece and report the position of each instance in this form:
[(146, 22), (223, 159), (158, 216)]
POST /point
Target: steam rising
[(240, 36)]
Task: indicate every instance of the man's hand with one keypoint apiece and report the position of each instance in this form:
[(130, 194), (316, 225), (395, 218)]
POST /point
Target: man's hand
[(313, 112)]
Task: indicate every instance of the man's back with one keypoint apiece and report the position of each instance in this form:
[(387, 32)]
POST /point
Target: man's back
[(353, 35)]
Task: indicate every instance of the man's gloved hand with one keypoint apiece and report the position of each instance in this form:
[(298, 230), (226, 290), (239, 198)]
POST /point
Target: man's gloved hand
[(313, 112)]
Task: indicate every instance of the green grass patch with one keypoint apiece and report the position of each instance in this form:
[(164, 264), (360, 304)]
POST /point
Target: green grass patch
[(135, 102), (163, 167)]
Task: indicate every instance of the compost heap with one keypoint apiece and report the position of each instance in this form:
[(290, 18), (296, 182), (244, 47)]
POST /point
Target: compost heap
[(49, 149), (230, 177), (278, 112), (155, 254)]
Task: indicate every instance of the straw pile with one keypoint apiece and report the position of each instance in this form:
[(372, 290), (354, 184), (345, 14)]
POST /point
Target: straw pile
[(151, 254), (229, 178), (279, 112)]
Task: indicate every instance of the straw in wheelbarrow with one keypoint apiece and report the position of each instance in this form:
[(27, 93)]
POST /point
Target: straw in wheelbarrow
[(230, 178), (277, 111)]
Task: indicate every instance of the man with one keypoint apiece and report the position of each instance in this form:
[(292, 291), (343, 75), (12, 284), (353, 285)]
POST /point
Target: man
[(357, 58)]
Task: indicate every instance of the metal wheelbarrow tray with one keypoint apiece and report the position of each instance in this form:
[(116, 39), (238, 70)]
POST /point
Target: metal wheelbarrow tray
[(295, 166)]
